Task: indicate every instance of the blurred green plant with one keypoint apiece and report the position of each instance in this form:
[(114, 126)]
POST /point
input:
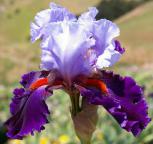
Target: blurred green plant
[(112, 9)]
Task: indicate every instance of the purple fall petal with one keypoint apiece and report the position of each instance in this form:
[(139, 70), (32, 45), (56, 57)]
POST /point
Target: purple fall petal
[(125, 101), (29, 113), (28, 108), (16, 104), (30, 77)]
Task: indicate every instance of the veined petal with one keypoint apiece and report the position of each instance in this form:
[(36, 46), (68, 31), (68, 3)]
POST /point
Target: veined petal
[(67, 48), (108, 58), (124, 101), (77, 47), (60, 13), (41, 19), (110, 55), (54, 14), (89, 15), (29, 114), (104, 32)]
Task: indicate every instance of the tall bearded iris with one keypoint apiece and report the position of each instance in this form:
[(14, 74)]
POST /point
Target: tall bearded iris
[(74, 52)]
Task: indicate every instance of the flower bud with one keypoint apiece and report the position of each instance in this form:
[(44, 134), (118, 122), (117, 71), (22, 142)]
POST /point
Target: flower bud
[(85, 122)]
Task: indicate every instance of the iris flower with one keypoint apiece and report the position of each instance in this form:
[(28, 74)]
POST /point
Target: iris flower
[(75, 52)]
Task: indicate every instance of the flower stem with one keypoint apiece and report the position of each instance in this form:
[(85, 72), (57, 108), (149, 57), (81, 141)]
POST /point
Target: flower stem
[(75, 99)]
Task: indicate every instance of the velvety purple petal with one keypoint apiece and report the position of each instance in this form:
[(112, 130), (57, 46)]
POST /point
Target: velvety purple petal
[(29, 113), (118, 47), (16, 103), (125, 101), (30, 77)]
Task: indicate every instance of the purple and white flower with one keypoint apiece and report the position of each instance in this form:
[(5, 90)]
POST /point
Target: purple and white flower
[(73, 53)]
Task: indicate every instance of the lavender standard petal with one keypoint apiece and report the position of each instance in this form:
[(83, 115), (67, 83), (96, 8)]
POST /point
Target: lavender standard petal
[(89, 15), (31, 115), (59, 13), (67, 49), (104, 32), (76, 47), (56, 13)]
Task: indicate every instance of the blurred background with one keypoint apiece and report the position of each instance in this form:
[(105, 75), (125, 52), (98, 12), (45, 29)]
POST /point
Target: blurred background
[(18, 56)]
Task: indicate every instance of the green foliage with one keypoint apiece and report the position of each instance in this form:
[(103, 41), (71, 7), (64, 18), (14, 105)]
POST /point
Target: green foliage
[(3, 137)]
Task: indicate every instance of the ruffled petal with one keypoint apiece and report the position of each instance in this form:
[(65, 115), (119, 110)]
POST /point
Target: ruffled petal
[(59, 13), (105, 32), (124, 101), (30, 77), (76, 47), (89, 15), (15, 105), (29, 112), (56, 13), (108, 58), (41, 19), (28, 108), (108, 51)]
